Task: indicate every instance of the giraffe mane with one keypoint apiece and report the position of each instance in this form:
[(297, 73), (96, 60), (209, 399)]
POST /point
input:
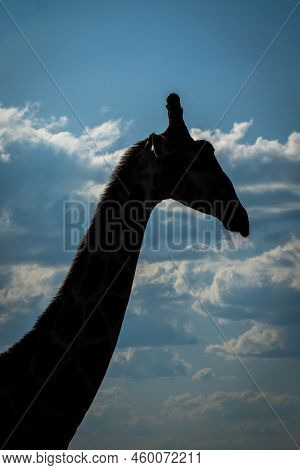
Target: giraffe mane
[(121, 173)]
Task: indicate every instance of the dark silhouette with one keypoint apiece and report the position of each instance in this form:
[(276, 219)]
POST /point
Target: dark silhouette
[(49, 379)]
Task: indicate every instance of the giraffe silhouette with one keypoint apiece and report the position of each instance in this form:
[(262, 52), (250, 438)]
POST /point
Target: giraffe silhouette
[(49, 378)]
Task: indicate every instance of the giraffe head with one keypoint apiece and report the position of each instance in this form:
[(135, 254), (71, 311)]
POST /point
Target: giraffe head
[(192, 175)]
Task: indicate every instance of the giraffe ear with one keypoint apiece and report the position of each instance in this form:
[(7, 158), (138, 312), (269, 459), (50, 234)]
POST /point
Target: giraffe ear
[(157, 145)]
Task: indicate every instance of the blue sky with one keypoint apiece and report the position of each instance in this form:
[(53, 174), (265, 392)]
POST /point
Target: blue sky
[(173, 382)]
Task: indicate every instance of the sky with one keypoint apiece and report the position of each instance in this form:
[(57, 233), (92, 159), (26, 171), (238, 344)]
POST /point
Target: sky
[(174, 382)]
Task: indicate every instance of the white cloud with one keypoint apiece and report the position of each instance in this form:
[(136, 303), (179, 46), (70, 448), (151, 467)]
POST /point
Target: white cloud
[(90, 190), (228, 377), (244, 403), (146, 362), (264, 288), (21, 125), (108, 399), (229, 145), (204, 374), (269, 187), (26, 283), (6, 224), (259, 340), (154, 273), (277, 266), (279, 209), (231, 419)]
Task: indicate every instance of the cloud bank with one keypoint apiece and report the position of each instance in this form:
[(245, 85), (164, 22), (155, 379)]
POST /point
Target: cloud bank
[(229, 144), (23, 126)]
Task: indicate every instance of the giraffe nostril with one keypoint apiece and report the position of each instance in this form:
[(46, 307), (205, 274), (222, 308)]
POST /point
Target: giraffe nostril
[(239, 222), (244, 223)]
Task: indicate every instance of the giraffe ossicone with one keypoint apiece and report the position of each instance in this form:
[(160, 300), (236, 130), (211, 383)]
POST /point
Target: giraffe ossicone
[(49, 378)]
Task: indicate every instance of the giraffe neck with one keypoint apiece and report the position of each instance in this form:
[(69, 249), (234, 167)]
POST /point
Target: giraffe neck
[(73, 341)]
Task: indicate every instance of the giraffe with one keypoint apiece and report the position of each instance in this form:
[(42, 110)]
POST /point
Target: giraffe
[(49, 378)]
